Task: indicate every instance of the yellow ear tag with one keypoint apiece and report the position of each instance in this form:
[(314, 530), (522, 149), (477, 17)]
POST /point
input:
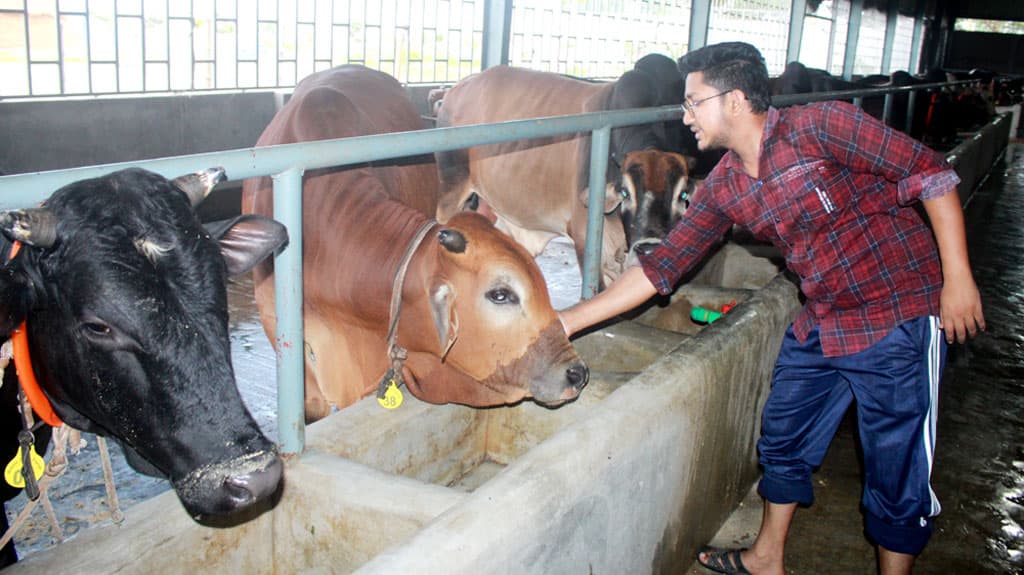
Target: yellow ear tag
[(392, 397), (12, 473)]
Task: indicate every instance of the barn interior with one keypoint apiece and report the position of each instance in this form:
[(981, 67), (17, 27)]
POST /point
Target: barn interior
[(416, 483)]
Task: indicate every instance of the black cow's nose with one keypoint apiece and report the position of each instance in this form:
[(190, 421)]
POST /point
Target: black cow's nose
[(578, 375), (249, 488)]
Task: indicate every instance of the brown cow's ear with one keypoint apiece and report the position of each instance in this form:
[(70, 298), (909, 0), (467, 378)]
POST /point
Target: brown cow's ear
[(446, 320), (612, 198)]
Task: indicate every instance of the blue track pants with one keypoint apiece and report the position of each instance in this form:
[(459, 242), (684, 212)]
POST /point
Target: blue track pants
[(895, 384)]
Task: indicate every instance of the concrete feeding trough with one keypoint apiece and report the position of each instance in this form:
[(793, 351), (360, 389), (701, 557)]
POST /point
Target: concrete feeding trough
[(632, 477)]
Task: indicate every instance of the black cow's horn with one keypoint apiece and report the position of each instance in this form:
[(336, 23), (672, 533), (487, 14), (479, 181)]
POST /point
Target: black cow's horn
[(198, 185), (33, 226)]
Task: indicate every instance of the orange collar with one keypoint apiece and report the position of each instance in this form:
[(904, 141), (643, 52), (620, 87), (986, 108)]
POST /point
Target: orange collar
[(23, 365)]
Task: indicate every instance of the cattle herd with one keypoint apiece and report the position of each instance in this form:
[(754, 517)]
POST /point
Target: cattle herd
[(125, 309), (938, 114)]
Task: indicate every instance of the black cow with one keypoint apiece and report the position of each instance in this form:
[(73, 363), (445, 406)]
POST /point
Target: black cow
[(124, 295)]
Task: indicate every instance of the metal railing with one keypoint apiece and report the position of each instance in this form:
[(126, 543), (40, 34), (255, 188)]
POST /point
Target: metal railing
[(286, 163)]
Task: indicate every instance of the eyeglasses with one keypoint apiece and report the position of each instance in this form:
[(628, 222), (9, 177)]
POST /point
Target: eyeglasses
[(691, 106)]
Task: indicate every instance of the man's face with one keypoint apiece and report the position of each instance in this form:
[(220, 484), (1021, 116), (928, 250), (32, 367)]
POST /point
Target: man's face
[(705, 112)]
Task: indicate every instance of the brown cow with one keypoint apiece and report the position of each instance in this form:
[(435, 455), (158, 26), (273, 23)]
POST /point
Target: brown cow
[(476, 318), (538, 188)]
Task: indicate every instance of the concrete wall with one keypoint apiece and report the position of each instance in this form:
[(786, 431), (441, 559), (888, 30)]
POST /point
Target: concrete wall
[(974, 156), (57, 134)]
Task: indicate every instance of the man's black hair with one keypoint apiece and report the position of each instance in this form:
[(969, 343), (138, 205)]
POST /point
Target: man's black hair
[(731, 66)]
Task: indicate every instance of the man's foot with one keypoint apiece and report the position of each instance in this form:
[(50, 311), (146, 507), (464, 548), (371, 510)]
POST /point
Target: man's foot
[(722, 560)]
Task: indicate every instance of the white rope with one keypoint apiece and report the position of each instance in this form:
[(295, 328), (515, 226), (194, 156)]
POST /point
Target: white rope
[(108, 479), (65, 437), (57, 465)]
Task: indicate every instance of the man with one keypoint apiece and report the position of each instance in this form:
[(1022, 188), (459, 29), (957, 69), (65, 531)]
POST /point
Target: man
[(833, 189)]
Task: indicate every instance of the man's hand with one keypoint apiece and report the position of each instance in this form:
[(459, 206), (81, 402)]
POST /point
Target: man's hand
[(960, 313)]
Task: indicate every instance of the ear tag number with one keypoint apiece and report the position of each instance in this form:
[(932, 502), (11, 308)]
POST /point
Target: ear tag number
[(392, 397), (12, 473)]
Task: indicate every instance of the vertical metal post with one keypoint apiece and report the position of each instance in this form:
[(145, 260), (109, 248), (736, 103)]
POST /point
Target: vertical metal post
[(911, 103), (700, 19), (291, 424), (892, 16), (797, 13), (915, 43), (591, 272), (497, 32), (852, 36)]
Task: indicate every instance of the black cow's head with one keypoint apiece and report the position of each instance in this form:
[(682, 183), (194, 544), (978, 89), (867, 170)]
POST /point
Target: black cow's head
[(655, 189), (123, 291)]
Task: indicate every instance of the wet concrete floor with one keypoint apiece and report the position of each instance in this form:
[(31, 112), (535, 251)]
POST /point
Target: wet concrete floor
[(978, 473)]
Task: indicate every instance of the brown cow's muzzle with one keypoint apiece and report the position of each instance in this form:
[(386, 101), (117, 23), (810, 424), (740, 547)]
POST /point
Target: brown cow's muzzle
[(563, 376), (576, 377)]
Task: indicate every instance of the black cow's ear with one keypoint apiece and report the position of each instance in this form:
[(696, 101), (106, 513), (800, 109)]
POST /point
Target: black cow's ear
[(247, 240), (15, 297)]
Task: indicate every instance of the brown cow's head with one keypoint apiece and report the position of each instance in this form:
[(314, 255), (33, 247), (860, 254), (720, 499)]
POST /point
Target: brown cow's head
[(491, 323), (655, 191)]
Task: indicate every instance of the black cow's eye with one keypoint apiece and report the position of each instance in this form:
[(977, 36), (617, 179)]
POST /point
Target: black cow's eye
[(96, 329), (624, 193), (502, 296)]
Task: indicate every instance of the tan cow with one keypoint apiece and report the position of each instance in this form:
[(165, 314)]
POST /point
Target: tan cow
[(538, 188), (475, 319)]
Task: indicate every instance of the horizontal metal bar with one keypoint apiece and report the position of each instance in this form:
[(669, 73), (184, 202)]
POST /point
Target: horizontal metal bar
[(791, 99), (22, 190)]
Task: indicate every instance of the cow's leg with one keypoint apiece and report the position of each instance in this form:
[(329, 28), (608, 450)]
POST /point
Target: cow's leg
[(315, 406), (613, 245), (337, 353), (534, 241), (8, 556)]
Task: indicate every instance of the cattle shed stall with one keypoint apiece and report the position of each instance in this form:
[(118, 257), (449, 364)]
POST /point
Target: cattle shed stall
[(615, 482)]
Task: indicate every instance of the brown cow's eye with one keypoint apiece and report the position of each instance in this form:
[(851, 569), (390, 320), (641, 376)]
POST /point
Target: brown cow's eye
[(502, 296)]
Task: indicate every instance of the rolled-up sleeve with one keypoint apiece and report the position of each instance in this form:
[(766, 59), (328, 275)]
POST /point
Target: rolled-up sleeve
[(865, 144)]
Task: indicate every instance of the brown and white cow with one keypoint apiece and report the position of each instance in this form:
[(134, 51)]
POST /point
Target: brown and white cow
[(476, 319), (538, 189), (656, 191)]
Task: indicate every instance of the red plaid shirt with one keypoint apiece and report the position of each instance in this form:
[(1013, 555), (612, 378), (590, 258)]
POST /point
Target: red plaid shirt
[(835, 197)]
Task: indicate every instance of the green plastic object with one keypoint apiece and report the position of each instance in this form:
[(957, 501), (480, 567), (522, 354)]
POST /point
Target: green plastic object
[(704, 315)]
